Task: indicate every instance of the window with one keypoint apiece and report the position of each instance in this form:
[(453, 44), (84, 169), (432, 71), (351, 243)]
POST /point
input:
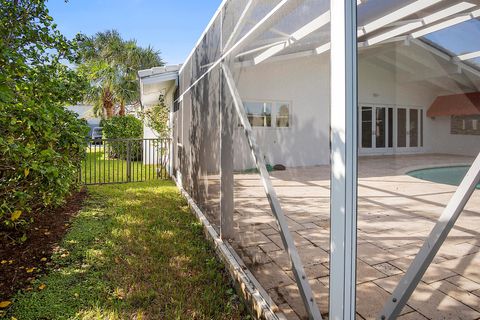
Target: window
[(282, 115), (466, 125), (268, 114), (259, 113)]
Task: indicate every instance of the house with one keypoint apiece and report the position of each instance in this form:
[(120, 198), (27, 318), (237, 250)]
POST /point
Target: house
[(271, 66), (86, 112), (400, 78)]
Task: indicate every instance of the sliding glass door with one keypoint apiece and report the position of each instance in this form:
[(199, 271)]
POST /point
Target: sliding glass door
[(388, 129)]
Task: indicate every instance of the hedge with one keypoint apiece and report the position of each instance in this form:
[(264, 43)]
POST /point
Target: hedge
[(40, 152), (124, 127)]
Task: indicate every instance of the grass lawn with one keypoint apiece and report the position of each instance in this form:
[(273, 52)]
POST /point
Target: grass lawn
[(134, 252), (99, 168)]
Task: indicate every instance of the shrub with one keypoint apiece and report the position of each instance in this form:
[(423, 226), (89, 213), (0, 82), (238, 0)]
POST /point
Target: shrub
[(41, 144), (126, 127), (41, 149)]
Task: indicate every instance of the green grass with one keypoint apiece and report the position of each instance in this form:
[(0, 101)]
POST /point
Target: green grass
[(134, 252), (99, 168)]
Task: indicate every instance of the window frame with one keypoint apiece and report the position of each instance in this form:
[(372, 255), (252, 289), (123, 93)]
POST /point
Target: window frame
[(275, 104)]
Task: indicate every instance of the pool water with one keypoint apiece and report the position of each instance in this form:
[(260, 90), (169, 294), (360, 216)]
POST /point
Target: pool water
[(446, 175)]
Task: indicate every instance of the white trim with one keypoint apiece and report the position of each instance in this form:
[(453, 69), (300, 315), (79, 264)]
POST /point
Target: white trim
[(446, 24), (301, 33), (394, 149), (441, 14), (396, 15), (273, 114), (468, 56)]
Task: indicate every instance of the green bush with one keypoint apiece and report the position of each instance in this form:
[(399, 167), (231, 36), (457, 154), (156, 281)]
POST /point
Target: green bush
[(41, 144), (41, 149), (126, 127)]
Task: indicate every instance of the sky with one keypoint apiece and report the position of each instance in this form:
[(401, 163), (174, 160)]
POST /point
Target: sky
[(171, 26)]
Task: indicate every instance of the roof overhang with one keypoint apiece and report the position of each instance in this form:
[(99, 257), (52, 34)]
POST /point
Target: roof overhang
[(465, 104), (157, 81)]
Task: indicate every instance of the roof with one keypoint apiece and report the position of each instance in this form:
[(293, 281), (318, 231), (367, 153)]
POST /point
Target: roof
[(159, 74), (157, 81), (83, 111), (456, 105)]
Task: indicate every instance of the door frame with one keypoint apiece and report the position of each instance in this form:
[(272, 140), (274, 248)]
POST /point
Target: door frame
[(394, 149)]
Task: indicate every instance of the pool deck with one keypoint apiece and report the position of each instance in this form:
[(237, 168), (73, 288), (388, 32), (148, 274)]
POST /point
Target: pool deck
[(396, 212)]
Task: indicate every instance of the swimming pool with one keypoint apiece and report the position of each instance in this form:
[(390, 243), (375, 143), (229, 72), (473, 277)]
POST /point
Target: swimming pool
[(446, 175)]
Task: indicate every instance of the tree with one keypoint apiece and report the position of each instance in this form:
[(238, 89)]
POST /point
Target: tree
[(111, 65)]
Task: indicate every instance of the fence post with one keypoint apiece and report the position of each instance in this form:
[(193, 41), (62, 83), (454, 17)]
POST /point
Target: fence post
[(129, 162)]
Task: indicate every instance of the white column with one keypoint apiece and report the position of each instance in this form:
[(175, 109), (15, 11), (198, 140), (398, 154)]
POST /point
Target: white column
[(343, 198)]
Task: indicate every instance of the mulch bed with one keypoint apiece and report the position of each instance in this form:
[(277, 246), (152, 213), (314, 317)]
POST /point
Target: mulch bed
[(22, 263)]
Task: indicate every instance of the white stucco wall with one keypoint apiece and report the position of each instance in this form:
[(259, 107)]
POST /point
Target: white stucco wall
[(379, 86), (305, 84), (441, 141), (149, 133)]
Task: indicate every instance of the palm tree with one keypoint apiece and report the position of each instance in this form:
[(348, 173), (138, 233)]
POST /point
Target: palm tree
[(111, 65)]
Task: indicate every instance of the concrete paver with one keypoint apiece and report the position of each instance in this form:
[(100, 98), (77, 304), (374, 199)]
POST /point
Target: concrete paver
[(395, 214)]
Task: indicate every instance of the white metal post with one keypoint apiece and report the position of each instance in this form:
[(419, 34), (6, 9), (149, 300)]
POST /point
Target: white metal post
[(432, 244), (343, 197)]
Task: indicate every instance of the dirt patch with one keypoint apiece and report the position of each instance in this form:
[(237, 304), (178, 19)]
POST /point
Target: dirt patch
[(22, 263)]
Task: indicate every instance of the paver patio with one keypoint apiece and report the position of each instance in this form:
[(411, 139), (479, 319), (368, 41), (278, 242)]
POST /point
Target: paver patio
[(396, 212)]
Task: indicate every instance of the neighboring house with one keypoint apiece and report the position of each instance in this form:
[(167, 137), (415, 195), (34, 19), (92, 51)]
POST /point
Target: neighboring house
[(86, 112), (154, 83)]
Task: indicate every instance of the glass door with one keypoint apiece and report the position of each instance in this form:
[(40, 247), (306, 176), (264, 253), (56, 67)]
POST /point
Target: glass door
[(376, 129), (366, 128), (386, 130)]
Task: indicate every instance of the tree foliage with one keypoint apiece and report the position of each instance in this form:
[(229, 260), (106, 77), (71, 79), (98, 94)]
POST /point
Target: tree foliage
[(156, 117), (41, 143), (111, 64), (127, 127)]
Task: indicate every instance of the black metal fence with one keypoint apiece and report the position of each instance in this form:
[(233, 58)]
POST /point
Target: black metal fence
[(125, 160)]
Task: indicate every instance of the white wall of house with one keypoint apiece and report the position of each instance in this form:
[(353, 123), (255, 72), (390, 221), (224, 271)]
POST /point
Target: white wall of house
[(150, 155), (305, 84), (442, 141), (379, 86)]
